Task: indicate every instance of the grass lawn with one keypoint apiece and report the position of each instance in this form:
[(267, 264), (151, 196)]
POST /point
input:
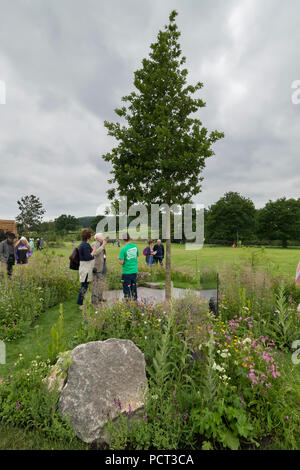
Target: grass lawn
[(284, 260), (36, 342), (12, 438)]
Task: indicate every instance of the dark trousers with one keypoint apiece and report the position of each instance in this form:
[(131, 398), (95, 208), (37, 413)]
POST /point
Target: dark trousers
[(129, 286), (82, 292), (158, 259)]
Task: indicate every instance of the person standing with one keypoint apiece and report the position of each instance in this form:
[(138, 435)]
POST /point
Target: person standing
[(99, 270), (23, 251), (31, 243), (128, 258), (7, 254), (159, 253), (86, 266), (149, 253)]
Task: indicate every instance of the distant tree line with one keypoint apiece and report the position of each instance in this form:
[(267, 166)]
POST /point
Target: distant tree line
[(232, 219)]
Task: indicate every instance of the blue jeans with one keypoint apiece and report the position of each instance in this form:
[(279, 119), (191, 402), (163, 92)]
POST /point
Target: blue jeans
[(129, 286), (83, 289), (149, 260)]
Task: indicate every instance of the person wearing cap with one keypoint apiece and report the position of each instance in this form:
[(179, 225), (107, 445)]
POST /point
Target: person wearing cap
[(7, 254), (99, 270), (128, 259), (23, 251)]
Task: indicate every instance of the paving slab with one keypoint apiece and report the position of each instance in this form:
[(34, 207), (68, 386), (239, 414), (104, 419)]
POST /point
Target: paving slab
[(158, 295)]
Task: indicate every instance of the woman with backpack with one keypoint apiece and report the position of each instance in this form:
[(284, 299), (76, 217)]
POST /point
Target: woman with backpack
[(86, 266), (148, 252)]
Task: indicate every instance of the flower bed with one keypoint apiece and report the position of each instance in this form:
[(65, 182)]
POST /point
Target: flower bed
[(33, 288), (214, 383)]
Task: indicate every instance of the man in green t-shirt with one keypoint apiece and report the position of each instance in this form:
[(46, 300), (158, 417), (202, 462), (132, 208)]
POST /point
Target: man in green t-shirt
[(128, 259)]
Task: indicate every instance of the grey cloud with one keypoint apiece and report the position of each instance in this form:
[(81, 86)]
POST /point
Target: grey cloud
[(67, 63)]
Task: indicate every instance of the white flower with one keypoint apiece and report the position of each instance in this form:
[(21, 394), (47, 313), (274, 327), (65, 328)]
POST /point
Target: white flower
[(224, 354), (145, 337), (246, 340)]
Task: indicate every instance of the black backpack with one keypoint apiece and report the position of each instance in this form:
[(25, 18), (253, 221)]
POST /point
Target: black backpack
[(74, 260)]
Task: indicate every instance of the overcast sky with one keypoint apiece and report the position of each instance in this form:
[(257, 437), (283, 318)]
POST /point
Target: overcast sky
[(67, 63)]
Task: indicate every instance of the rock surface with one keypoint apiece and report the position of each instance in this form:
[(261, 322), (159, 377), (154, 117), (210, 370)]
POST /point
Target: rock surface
[(105, 377)]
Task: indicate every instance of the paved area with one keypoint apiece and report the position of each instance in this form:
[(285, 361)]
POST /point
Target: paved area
[(158, 295)]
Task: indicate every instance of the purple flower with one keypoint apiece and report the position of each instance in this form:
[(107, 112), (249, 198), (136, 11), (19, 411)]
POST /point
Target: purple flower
[(18, 406)]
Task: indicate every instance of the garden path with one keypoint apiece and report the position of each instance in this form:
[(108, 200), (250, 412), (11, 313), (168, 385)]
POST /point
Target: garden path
[(158, 295)]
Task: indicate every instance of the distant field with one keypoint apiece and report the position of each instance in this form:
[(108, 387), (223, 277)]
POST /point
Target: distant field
[(284, 261)]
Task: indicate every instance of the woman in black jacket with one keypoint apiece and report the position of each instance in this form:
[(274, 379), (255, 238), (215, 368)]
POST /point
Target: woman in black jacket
[(86, 257)]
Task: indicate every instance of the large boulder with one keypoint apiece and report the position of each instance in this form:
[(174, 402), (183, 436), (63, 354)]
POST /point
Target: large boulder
[(104, 379)]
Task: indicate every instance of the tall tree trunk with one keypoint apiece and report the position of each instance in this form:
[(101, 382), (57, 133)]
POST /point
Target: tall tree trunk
[(168, 292)]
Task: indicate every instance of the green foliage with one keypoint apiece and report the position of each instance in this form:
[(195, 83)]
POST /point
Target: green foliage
[(162, 150), (45, 282), (284, 327), (231, 217), (31, 213), (57, 344), (66, 223), (280, 220), (25, 401)]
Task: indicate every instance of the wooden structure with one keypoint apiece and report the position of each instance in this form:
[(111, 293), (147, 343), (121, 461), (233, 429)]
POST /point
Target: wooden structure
[(8, 226)]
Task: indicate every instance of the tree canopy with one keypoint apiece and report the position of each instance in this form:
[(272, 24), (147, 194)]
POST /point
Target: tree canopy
[(31, 213), (231, 216), (280, 220)]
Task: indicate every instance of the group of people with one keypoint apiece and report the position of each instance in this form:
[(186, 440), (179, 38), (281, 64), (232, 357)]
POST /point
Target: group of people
[(93, 266), (154, 254), (14, 252)]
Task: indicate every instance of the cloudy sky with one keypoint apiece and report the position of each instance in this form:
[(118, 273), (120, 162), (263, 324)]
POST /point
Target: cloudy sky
[(67, 63)]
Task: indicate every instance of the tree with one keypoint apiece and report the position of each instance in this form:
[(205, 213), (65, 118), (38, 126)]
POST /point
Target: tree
[(280, 220), (85, 222), (66, 222), (31, 213), (231, 217), (162, 149)]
